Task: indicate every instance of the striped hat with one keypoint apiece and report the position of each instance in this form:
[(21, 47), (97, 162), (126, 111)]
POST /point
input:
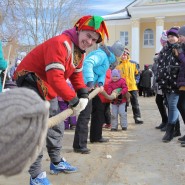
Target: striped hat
[(93, 23), (126, 51), (164, 38)]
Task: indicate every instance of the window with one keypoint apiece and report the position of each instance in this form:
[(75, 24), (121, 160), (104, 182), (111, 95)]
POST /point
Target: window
[(124, 37), (148, 38)]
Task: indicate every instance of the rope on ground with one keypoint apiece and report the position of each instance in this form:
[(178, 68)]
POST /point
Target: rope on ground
[(23, 128)]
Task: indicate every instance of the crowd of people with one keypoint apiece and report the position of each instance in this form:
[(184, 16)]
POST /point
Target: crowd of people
[(59, 72)]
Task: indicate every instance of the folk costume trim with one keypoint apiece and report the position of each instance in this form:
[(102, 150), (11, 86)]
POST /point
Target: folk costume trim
[(40, 83), (78, 70), (55, 65), (68, 47), (76, 55)]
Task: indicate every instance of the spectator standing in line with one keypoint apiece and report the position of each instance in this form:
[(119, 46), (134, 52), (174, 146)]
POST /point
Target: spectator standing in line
[(146, 81), (129, 70), (167, 73), (180, 53), (160, 98)]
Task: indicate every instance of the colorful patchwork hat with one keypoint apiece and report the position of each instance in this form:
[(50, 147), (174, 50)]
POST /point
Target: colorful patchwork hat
[(93, 23)]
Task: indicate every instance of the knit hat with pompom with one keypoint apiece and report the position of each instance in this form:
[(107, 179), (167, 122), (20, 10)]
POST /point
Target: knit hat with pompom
[(23, 129)]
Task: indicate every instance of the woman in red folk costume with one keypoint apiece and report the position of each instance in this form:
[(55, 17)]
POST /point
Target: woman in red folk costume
[(45, 70)]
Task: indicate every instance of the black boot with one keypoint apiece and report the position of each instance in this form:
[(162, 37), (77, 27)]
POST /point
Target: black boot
[(169, 133), (181, 139), (161, 125), (138, 120), (177, 129), (164, 128)]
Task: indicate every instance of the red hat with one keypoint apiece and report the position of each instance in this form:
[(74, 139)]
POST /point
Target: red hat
[(93, 23)]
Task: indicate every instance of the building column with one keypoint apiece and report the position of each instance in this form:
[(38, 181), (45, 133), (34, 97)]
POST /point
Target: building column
[(135, 42), (159, 30)]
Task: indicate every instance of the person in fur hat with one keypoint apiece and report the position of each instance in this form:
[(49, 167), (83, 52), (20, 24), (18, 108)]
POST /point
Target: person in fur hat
[(45, 70), (95, 66)]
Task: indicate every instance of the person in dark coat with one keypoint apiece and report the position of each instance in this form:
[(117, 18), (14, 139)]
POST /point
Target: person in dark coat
[(146, 81), (180, 53)]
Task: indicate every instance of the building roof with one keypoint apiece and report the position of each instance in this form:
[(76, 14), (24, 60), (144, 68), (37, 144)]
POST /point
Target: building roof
[(147, 8), (122, 14)]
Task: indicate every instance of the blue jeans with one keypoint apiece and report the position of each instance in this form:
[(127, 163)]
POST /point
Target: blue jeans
[(173, 113)]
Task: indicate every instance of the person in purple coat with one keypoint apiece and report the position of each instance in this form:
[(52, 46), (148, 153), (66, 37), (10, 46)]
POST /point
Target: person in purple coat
[(70, 122), (119, 104), (180, 52)]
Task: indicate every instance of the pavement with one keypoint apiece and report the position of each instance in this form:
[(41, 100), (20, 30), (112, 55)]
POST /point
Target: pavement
[(133, 157)]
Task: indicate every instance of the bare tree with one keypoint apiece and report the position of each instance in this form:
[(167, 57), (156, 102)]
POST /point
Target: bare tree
[(34, 21)]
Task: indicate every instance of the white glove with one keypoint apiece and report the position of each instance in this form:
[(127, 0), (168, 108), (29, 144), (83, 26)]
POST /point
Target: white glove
[(80, 106)]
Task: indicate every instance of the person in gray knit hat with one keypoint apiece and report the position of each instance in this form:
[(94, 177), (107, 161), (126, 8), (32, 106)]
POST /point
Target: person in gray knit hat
[(23, 115), (94, 72), (117, 48)]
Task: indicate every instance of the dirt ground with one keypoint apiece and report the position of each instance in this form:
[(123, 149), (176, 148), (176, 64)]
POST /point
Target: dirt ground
[(139, 157)]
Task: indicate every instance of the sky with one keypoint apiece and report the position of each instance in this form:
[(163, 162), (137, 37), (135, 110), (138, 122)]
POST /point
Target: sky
[(104, 7)]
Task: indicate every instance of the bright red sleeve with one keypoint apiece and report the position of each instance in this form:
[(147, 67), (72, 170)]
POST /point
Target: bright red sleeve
[(56, 52)]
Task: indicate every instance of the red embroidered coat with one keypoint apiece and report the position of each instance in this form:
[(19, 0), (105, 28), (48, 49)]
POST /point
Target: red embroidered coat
[(54, 61)]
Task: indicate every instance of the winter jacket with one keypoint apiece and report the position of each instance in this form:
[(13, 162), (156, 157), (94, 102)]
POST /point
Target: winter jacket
[(154, 70), (107, 80), (3, 64), (181, 75), (121, 83), (53, 62), (129, 71), (167, 69), (96, 64), (146, 78)]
